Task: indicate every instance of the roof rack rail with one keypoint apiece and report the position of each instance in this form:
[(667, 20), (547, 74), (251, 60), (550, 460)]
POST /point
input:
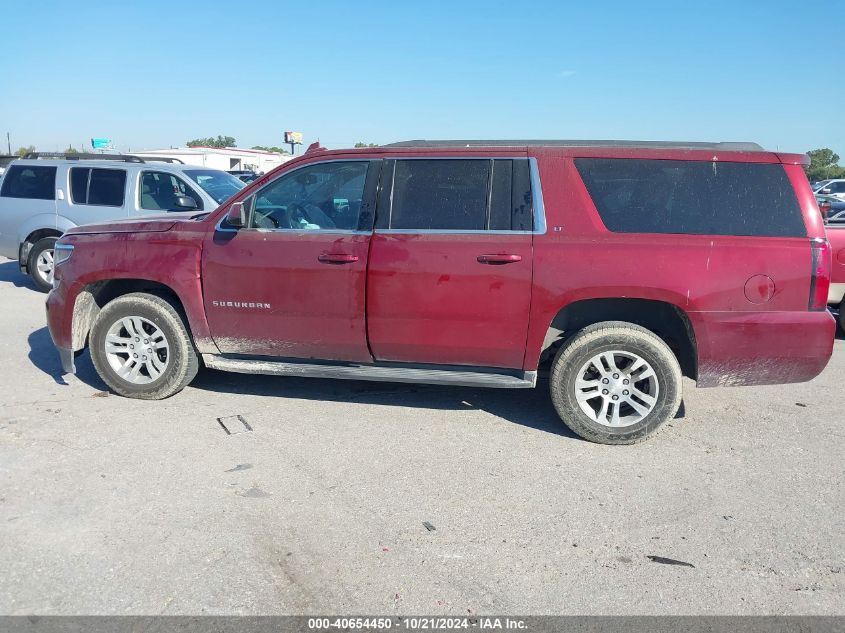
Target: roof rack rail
[(729, 146), (82, 156), (160, 159)]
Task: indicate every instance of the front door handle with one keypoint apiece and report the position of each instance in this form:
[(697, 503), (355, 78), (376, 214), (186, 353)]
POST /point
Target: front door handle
[(497, 260), (337, 258)]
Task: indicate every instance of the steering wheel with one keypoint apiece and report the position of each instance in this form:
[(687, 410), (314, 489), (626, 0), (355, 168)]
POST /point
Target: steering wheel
[(299, 212), (265, 217)]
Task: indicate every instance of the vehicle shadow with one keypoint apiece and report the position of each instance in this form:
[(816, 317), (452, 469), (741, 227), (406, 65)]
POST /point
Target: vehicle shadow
[(42, 354), (531, 408), (11, 273), (527, 407)]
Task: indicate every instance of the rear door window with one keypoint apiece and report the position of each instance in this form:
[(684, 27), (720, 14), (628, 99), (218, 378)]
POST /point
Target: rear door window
[(107, 187), (458, 195), (692, 197), (29, 181), (101, 187)]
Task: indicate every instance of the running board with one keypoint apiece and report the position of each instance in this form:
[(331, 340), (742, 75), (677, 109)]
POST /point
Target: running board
[(466, 378)]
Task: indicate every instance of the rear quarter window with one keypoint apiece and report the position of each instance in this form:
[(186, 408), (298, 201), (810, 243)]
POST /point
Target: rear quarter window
[(29, 181), (693, 197)]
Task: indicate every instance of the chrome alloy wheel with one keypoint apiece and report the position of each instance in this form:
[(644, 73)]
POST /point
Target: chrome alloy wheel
[(137, 350), (44, 264), (616, 388)]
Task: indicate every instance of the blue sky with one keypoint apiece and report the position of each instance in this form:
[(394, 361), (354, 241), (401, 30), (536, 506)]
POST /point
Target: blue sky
[(158, 73)]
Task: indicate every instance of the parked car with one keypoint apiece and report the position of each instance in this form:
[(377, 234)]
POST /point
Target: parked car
[(834, 188), (44, 195), (836, 296), (832, 209), (619, 266)]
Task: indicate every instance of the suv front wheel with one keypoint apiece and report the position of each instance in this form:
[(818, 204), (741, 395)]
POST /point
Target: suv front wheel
[(141, 348), (615, 383)]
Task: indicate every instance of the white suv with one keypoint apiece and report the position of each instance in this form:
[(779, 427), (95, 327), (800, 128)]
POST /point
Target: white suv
[(834, 188), (44, 195)]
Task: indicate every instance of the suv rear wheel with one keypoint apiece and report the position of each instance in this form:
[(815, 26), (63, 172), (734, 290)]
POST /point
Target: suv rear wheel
[(842, 315), (141, 348), (39, 263), (615, 383)]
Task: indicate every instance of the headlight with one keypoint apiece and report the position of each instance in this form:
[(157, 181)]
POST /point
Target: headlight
[(61, 253)]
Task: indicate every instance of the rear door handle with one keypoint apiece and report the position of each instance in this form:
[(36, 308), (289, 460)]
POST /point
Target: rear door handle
[(499, 259), (337, 258)]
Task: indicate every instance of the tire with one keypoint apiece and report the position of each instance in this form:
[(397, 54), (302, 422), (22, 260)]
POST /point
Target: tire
[(42, 250), (164, 362), (651, 396), (842, 315)]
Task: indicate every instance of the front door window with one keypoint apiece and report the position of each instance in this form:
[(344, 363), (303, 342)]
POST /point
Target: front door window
[(325, 196)]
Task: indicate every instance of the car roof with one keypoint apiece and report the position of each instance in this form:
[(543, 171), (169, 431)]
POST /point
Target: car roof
[(158, 165), (724, 146)]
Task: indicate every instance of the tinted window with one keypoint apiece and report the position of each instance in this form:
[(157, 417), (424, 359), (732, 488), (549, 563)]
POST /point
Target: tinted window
[(79, 184), (440, 194), (106, 187), (321, 196), (159, 191), (510, 198), (458, 195), (29, 181), (693, 197)]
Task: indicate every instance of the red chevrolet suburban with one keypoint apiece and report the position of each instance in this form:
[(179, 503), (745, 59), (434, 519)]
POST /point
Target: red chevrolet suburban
[(620, 266)]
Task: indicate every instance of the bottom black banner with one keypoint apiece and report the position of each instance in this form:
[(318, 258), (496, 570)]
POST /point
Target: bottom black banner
[(525, 624)]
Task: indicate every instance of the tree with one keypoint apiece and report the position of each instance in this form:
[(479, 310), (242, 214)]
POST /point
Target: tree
[(71, 150), (271, 148), (360, 144), (824, 164), (219, 142), (23, 151)]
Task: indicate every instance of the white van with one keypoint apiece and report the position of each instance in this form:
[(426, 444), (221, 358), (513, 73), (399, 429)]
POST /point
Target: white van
[(44, 195)]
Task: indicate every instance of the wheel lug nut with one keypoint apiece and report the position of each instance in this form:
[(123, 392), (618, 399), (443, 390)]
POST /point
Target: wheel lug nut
[(625, 382), (143, 358), (604, 391), (616, 397), (131, 346), (137, 339), (625, 393), (616, 375), (135, 355), (605, 381)]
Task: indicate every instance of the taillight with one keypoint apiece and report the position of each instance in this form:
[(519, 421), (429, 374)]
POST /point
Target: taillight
[(820, 282), (824, 207)]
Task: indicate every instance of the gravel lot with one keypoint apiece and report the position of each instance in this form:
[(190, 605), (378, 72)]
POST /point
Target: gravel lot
[(117, 506)]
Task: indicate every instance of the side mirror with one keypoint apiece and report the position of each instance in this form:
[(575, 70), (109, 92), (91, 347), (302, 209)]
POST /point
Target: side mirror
[(185, 202), (236, 216)]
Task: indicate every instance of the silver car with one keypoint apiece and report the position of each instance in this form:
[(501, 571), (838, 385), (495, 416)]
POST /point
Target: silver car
[(42, 196)]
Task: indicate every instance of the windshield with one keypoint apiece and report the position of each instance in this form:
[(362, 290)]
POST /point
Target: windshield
[(218, 184)]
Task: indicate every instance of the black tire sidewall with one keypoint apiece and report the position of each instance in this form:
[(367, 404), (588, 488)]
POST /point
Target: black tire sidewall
[(161, 318), (668, 377), (44, 244)]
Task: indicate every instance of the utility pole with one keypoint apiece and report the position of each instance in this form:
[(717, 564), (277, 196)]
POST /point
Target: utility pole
[(8, 143)]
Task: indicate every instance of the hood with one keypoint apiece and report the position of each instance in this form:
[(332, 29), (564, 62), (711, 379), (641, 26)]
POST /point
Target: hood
[(146, 224)]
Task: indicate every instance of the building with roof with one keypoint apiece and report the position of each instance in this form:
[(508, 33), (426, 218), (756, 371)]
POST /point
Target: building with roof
[(226, 158)]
